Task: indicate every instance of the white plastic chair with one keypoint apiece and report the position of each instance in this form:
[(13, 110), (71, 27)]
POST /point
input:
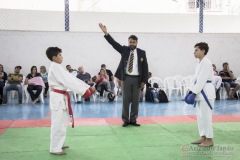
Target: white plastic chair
[(78, 98), (223, 92), (144, 91), (96, 95), (180, 83), (12, 93), (238, 81), (105, 95), (170, 84), (157, 80), (75, 97), (117, 89), (187, 84)]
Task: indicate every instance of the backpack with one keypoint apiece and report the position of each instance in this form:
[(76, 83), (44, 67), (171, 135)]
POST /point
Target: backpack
[(162, 97), (111, 96), (236, 95), (148, 95), (154, 95), (155, 85)]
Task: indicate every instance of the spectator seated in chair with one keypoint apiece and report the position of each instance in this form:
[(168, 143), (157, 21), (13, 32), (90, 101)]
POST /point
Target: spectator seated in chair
[(103, 84), (3, 79), (69, 68), (32, 85), (110, 75), (14, 81), (227, 79), (86, 77), (44, 75)]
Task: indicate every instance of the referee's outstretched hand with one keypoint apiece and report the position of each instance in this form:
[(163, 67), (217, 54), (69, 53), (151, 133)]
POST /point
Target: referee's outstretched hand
[(103, 28)]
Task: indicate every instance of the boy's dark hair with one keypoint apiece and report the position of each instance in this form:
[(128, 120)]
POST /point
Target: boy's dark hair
[(67, 66), (133, 37), (52, 51), (225, 63), (202, 46)]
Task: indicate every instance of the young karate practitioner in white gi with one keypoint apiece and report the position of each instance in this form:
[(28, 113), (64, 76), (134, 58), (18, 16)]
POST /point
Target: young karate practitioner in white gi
[(203, 77), (59, 81)]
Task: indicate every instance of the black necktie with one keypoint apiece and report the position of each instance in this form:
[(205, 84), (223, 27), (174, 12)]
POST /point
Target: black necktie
[(130, 65)]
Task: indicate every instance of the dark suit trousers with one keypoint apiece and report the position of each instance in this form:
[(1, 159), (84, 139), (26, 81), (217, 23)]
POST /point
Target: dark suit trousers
[(130, 92), (30, 89)]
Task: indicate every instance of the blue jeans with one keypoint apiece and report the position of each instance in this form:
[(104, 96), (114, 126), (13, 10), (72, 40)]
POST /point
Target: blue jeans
[(1, 90), (10, 87), (112, 84), (232, 84)]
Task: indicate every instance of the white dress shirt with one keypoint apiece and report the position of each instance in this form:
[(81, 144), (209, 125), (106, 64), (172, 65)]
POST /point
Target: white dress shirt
[(135, 64)]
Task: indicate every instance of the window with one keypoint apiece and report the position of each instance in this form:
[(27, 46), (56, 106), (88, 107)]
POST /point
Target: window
[(208, 5)]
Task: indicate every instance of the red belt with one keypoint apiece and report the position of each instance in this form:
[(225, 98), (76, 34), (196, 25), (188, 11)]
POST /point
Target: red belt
[(69, 104)]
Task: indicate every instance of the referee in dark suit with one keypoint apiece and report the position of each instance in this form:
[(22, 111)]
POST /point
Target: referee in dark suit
[(133, 72)]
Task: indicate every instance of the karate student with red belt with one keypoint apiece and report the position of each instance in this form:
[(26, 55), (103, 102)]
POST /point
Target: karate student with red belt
[(59, 81)]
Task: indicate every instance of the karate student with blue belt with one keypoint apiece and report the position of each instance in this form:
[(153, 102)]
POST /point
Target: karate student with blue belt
[(202, 95)]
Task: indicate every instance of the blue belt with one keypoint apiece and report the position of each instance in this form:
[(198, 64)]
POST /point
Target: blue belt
[(205, 97)]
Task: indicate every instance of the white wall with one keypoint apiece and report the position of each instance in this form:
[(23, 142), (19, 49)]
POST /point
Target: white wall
[(168, 54), (117, 22)]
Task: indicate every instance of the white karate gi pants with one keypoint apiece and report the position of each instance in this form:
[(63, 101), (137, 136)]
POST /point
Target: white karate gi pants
[(58, 128), (204, 118)]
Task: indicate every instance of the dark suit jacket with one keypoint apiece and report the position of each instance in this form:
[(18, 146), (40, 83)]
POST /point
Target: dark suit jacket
[(125, 52)]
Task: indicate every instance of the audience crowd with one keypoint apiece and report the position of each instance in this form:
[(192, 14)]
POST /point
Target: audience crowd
[(36, 83)]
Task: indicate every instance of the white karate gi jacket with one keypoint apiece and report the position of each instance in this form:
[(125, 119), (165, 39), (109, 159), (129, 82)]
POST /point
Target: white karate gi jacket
[(203, 73), (59, 78)]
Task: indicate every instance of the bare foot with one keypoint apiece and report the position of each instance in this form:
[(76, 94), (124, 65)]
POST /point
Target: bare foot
[(64, 147), (59, 153)]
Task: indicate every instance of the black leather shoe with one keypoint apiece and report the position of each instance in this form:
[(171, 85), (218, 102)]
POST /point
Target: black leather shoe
[(134, 124), (125, 124)]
